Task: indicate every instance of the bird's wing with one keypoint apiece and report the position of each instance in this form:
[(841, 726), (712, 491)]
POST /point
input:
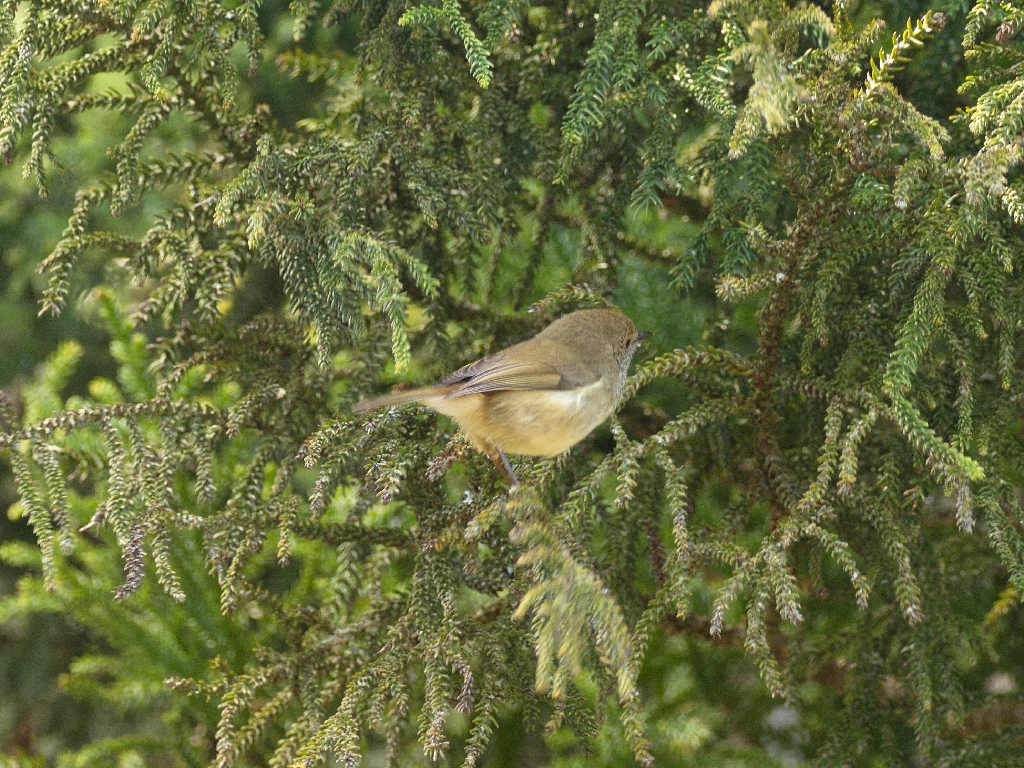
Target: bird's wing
[(496, 373)]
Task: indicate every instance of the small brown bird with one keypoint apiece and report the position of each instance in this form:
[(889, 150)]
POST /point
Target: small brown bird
[(539, 397)]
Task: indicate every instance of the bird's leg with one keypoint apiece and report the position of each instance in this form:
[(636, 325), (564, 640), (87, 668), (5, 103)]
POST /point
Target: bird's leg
[(501, 462)]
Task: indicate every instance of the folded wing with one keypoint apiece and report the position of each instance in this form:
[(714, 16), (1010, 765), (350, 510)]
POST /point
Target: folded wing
[(495, 373)]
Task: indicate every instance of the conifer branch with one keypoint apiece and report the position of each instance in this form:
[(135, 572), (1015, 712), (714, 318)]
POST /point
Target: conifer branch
[(914, 36), (823, 473), (450, 15)]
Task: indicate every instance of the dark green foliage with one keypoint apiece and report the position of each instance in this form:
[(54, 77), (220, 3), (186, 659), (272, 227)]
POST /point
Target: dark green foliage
[(822, 466)]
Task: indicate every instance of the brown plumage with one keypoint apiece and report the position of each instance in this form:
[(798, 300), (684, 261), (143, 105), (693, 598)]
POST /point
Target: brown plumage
[(539, 397)]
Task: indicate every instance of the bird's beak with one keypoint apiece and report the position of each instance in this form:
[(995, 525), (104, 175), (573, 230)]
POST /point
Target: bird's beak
[(641, 335)]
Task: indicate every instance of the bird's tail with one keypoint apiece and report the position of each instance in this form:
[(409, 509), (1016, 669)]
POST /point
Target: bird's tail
[(397, 398)]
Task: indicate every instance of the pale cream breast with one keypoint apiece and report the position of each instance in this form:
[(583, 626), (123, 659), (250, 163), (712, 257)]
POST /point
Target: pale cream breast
[(528, 422)]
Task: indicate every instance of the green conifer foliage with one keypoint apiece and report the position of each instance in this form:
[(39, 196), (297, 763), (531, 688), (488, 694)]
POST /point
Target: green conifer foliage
[(829, 477)]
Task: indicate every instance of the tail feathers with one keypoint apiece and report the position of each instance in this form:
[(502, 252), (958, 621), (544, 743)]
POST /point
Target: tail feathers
[(398, 398)]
